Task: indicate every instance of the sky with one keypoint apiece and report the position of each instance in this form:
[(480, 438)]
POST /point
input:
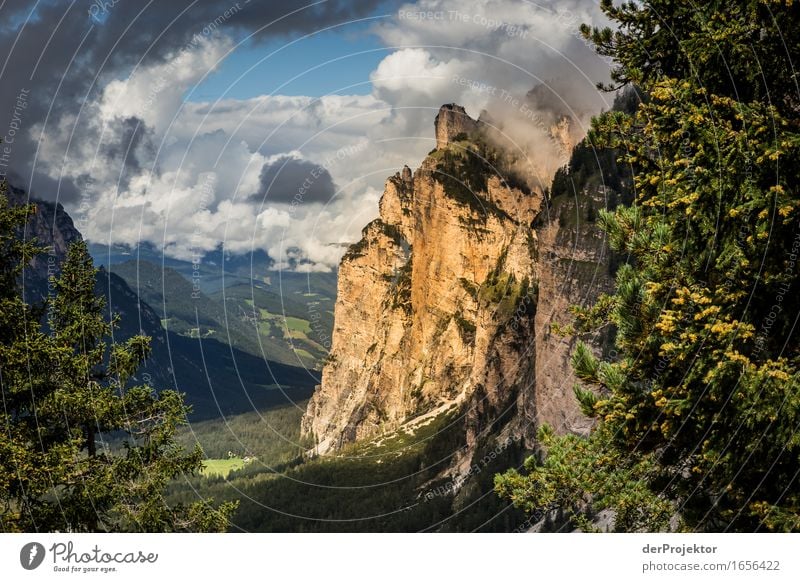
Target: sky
[(260, 124), (337, 60)]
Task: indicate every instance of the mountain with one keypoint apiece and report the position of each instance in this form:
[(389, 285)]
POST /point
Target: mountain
[(444, 357), (220, 269), (435, 471), (284, 316), (218, 378), (448, 301), (249, 317)]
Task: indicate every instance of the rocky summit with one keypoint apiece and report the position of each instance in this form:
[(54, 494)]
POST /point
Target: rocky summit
[(447, 303)]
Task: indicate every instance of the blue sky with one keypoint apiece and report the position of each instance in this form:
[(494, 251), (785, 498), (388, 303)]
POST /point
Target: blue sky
[(338, 60)]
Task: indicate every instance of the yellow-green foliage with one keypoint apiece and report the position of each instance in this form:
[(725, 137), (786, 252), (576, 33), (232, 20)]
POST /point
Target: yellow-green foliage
[(222, 467), (702, 403)]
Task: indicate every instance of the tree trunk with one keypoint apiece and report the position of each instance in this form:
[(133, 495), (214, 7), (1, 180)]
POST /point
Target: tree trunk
[(91, 446)]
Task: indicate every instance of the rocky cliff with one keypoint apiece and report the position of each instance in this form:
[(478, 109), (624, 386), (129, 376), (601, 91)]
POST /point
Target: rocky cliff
[(451, 122), (447, 302), (51, 227)]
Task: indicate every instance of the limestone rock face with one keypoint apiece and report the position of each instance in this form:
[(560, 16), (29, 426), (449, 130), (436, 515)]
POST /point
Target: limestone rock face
[(52, 227), (452, 121), (441, 303), (573, 271), (564, 135), (427, 302)]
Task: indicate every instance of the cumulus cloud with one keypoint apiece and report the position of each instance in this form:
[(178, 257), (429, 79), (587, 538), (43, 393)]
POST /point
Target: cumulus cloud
[(188, 177), (415, 71), (474, 51), (64, 54), (488, 55), (136, 162)]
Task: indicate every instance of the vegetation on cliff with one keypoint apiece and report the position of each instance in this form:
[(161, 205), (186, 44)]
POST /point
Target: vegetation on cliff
[(464, 168)]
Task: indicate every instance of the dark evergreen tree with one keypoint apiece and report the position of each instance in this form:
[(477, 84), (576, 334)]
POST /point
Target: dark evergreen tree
[(65, 393)]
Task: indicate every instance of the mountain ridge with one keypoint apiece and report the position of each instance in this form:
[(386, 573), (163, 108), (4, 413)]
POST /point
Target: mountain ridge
[(217, 379), (438, 304)]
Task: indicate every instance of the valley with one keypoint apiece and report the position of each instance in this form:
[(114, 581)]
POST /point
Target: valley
[(283, 316), (390, 483), (417, 447), (431, 467)]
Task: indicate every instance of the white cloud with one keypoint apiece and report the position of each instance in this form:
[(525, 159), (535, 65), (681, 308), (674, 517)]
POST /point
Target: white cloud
[(182, 180), (155, 93), (415, 71), (509, 45)]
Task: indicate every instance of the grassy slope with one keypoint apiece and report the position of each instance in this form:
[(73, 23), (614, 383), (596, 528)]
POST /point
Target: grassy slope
[(374, 486), (280, 329), (298, 320), (222, 467)]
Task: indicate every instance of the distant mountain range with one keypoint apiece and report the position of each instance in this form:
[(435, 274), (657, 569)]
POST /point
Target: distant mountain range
[(225, 338)]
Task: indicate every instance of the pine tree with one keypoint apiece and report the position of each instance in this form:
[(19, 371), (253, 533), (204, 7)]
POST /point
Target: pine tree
[(24, 467), (85, 446), (702, 408)]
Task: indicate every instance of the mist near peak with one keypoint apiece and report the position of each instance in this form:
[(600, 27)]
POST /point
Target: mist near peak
[(539, 129)]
